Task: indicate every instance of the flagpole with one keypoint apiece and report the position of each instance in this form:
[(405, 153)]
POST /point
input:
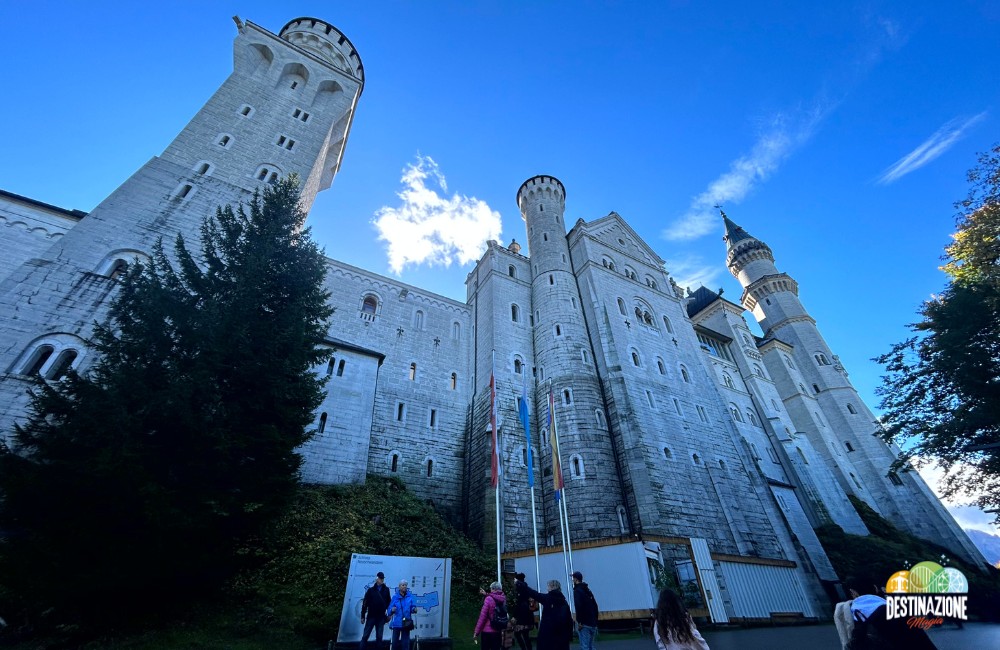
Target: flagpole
[(560, 495), (525, 416), (495, 453)]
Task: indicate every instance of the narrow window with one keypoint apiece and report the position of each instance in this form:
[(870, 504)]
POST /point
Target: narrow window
[(558, 330), (758, 371), (322, 423), (340, 368), (894, 478), (722, 465), (621, 519), (518, 366), (297, 112), (573, 302), (413, 371), (635, 359), (62, 365), (330, 367), (774, 405), (851, 409), (752, 418), (849, 446), (685, 376), (576, 467), (696, 459), (552, 280), (454, 381), (701, 414), (728, 381), (856, 481), (185, 190), (203, 169), (541, 208), (456, 331), (585, 355), (667, 453), (567, 396), (395, 463), (599, 414), (545, 236), (430, 467), (802, 455), (369, 305), (262, 175), (816, 388), (564, 258), (295, 84), (224, 141), (735, 412), (649, 399), (433, 418), (281, 141), (511, 271), (621, 307), (119, 269), (659, 366), (514, 313), (677, 406), (245, 111), (400, 411), (418, 320), (38, 360), (774, 455), (667, 325)]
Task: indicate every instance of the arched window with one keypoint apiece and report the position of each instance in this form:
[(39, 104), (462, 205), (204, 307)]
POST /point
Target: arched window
[(774, 405), (456, 331), (576, 466), (635, 359), (650, 282), (515, 313), (802, 455), (659, 366), (369, 305), (567, 396), (601, 422), (37, 360), (752, 418), (666, 324), (322, 423), (418, 320), (754, 452), (851, 409), (677, 406), (394, 462), (638, 314), (821, 359), (757, 370), (685, 376), (118, 269), (696, 459), (667, 453), (722, 465), (630, 274), (728, 381), (511, 271), (61, 365), (340, 368), (788, 361), (621, 307), (413, 371), (894, 478), (735, 411), (454, 381), (518, 366), (621, 520), (330, 367)]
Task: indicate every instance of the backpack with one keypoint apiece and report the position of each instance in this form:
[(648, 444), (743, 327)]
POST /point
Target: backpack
[(499, 619)]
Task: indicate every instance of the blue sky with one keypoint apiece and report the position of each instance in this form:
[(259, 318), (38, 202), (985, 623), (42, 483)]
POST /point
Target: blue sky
[(839, 133)]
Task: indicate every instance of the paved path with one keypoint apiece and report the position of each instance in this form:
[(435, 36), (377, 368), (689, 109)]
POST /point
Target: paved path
[(975, 636)]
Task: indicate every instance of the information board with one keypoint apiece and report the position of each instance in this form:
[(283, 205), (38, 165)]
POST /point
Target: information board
[(429, 581)]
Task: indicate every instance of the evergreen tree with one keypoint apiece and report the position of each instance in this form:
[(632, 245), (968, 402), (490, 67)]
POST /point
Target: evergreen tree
[(130, 487), (942, 390)]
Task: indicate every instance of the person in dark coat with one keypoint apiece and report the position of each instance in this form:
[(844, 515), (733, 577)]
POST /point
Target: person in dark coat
[(524, 618), (373, 608), (555, 632), (586, 612)]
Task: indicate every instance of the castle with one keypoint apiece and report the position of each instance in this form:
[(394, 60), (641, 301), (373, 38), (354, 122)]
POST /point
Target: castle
[(675, 421)]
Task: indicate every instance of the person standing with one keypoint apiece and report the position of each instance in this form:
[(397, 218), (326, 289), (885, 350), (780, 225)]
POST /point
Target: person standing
[(373, 608), (493, 618), (555, 632), (586, 612), (401, 610), (673, 627), (524, 618)]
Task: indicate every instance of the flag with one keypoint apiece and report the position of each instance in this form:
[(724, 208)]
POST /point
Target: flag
[(495, 449), (523, 413), (557, 477)]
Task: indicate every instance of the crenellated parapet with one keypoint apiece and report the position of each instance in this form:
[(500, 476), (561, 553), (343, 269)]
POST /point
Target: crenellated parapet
[(325, 41)]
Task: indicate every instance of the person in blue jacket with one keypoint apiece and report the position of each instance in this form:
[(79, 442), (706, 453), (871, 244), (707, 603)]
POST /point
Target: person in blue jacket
[(401, 611)]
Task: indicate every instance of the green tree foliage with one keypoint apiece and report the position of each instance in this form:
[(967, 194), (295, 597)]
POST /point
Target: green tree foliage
[(132, 487), (941, 393)]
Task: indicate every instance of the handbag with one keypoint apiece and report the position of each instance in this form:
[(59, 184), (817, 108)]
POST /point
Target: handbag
[(408, 623)]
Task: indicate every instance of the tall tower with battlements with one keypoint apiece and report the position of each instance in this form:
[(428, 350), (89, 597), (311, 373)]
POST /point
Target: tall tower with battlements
[(823, 403), (286, 109), (565, 368)]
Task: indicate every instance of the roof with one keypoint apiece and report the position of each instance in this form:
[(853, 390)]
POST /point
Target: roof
[(73, 214), (734, 233), (700, 299)]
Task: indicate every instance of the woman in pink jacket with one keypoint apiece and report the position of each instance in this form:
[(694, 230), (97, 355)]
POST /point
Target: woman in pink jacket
[(491, 637)]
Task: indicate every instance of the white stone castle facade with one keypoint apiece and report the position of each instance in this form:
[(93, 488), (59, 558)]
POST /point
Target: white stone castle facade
[(675, 421)]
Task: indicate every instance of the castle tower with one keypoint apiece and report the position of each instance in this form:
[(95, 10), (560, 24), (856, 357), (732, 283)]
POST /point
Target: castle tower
[(824, 405), (560, 339), (286, 108)]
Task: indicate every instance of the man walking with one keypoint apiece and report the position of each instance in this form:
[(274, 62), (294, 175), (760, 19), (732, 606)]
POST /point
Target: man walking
[(374, 604), (586, 612)]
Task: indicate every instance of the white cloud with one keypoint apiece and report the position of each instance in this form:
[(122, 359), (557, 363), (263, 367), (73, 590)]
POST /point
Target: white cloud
[(966, 514), (430, 228), (931, 148), (784, 135), (691, 271)]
